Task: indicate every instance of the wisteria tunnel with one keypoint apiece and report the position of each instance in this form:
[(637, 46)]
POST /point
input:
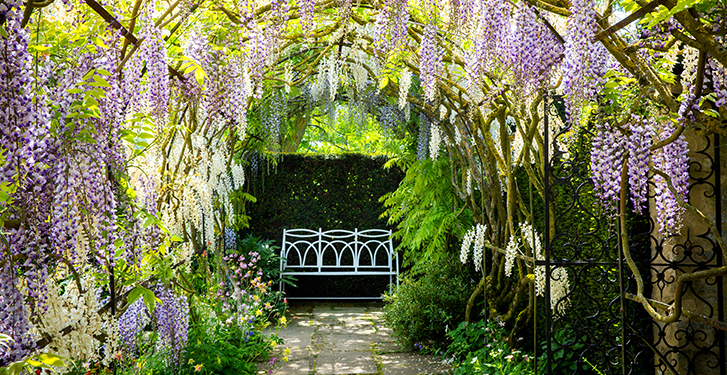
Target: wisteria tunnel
[(548, 175)]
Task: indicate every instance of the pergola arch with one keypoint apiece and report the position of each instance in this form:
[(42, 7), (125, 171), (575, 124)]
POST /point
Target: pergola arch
[(248, 50)]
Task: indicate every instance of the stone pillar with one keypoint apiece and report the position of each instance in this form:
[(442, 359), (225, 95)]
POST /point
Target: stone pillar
[(690, 346)]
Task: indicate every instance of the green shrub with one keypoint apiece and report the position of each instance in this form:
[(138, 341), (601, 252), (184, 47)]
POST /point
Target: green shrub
[(234, 352), (422, 310), (481, 348)]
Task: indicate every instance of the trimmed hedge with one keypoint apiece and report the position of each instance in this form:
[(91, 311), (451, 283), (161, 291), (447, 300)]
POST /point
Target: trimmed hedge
[(328, 192)]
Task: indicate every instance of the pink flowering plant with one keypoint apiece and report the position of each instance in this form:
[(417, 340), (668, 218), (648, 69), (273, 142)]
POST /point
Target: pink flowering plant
[(233, 305)]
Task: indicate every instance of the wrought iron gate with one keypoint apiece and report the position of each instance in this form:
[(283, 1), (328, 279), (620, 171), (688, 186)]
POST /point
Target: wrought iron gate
[(600, 329)]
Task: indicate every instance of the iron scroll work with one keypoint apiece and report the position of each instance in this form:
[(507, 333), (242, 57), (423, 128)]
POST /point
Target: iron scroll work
[(595, 325), (337, 252)]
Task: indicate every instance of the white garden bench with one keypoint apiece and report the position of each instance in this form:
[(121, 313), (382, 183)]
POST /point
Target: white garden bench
[(307, 252)]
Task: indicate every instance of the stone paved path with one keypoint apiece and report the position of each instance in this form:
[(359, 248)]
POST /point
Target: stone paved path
[(345, 338)]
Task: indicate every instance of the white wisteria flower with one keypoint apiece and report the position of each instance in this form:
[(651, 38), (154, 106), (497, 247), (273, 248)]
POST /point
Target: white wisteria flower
[(510, 254), (474, 238)]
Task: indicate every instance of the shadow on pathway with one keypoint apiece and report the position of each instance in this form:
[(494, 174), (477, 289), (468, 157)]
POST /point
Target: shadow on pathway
[(345, 338)]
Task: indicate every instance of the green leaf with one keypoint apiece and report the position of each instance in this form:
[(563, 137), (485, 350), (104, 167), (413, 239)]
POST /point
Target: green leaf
[(50, 360), (176, 239), (38, 48), (384, 81), (249, 198), (187, 67), (150, 300), (199, 76), (134, 294), (91, 103), (16, 368), (99, 82), (88, 74), (146, 136), (682, 5), (100, 43), (149, 221), (711, 113)]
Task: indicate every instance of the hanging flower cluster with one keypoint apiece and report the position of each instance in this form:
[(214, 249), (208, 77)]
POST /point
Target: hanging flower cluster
[(606, 158), (492, 41), (559, 281), (511, 252), (423, 139), (153, 51), (273, 119), (69, 306), (307, 8), (474, 239), (585, 59), (610, 147), (404, 85), (131, 326), (14, 317), (639, 142), (534, 50), (390, 28), (430, 62), (171, 318), (65, 159), (23, 131), (673, 160), (435, 140)]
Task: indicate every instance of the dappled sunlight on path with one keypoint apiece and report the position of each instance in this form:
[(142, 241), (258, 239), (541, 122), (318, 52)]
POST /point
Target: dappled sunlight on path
[(344, 338)]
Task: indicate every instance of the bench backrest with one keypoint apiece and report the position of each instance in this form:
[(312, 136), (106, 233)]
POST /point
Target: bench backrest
[(341, 251)]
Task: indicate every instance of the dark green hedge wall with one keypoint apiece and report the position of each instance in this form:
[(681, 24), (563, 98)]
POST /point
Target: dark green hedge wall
[(328, 192)]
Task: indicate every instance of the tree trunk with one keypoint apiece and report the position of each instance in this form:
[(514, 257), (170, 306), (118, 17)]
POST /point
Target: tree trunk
[(471, 302), (300, 122)]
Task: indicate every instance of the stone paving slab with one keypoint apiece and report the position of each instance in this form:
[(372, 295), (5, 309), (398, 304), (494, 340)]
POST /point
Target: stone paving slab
[(388, 347), (348, 342), (346, 330), (344, 338), (299, 367), (297, 335), (348, 362)]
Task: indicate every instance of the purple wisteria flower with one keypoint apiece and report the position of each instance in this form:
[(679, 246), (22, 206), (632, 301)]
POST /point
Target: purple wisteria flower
[(24, 141), (171, 319), (606, 157), (13, 318), (154, 52), (585, 59), (430, 62), (307, 8), (390, 27), (673, 160), (131, 324), (639, 142), (533, 51)]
